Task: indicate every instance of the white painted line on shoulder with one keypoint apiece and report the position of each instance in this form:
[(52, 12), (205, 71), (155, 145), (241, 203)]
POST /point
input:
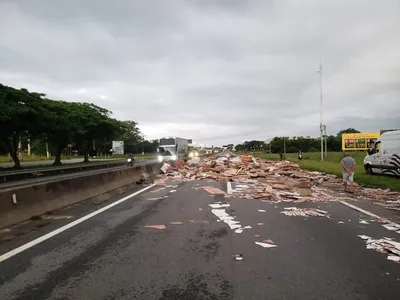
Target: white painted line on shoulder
[(229, 187), (365, 212), (68, 226)]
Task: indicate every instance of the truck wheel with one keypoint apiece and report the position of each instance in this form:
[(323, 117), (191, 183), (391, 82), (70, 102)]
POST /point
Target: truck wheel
[(368, 168)]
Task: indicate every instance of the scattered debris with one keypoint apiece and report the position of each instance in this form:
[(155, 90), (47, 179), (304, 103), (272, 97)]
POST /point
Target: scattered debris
[(266, 245), (237, 256), (260, 224), (161, 227), (276, 181), (213, 190), (159, 181), (165, 168), (155, 198), (199, 221), (385, 245), (261, 210), (14, 198), (257, 235), (172, 191), (304, 212), (341, 222), (268, 241), (176, 223), (363, 222), (392, 227), (217, 205)]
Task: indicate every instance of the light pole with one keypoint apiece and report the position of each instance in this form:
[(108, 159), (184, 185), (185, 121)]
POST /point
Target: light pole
[(284, 146), (321, 127), (142, 144)]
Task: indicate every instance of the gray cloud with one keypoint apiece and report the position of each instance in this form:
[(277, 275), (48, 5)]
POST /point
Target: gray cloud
[(214, 71)]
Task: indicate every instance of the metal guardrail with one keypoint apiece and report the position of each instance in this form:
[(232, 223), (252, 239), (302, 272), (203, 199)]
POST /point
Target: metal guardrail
[(41, 172)]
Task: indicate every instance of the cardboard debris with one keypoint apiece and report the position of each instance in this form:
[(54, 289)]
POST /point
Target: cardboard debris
[(304, 212), (176, 223), (213, 190), (155, 198), (268, 241), (363, 222), (161, 227), (238, 256), (385, 245), (217, 205), (278, 181), (392, 227), (266, 245), (199, 221), (159, 181), (165, 168)]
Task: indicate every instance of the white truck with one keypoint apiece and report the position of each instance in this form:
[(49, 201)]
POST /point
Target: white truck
[(384, 156), (172, 148)]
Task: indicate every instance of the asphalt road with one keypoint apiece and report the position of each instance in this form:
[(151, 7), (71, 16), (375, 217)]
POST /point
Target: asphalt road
[(59, 177), (113, 256)]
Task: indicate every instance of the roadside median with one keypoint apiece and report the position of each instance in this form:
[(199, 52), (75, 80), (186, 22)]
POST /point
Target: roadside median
[(21, 203)]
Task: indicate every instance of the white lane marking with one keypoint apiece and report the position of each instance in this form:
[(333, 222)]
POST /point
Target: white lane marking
[(229, 187), (364, 211), (70, 225)]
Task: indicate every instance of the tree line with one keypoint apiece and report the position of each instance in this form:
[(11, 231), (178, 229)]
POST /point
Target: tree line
[(278, 144), (30, 117)]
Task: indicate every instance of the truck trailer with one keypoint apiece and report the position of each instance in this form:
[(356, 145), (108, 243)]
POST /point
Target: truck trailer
[(172, 148)]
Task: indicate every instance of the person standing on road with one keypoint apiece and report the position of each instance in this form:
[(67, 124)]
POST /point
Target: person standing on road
[(348, 166)]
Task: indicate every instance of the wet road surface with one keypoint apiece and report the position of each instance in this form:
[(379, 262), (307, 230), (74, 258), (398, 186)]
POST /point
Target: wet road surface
[(113, 256)]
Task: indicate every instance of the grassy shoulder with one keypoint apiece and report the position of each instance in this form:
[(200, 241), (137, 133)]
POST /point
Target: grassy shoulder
[(331, 165), (38, 158)]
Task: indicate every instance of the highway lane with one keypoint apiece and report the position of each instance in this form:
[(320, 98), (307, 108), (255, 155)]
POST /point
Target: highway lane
[(113, 256), (59, 177)]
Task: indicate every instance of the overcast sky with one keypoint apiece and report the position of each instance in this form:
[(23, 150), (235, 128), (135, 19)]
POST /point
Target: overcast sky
[(214, 71)]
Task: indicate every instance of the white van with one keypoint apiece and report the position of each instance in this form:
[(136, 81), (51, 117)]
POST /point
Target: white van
[(384, 156)]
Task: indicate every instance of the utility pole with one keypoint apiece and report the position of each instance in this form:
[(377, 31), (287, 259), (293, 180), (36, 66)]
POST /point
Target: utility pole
[(29, 144), (284, 146), (142, 144), (47, 150), (326, 142), (321, 128)]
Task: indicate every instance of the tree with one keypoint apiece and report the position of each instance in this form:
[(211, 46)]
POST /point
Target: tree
[(131, 136), (20, 110), (348, 130)]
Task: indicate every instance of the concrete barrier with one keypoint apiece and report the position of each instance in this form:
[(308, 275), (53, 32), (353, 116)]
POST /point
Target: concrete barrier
[(21, 203)]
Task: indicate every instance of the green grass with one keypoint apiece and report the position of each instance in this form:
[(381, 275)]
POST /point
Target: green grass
[(26, 158), (331, 165)]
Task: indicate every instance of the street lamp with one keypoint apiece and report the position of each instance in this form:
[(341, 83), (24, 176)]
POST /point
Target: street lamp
[(321, 126), (142, 144)]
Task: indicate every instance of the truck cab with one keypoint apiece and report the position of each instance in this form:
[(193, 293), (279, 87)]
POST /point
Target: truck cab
[(384, 156)]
